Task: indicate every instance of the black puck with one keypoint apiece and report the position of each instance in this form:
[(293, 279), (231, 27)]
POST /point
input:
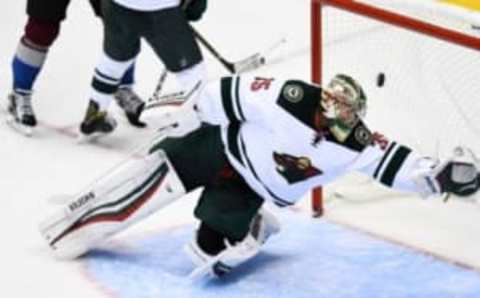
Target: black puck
[(380, 79)]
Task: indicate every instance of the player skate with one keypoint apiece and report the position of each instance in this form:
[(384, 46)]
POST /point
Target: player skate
[(96, 123), (20, 113), (131, 104)]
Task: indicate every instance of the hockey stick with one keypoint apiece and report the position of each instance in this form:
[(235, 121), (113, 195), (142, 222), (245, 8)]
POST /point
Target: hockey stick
[(180, 98), (250, 63), (159, 87), (228, 65), (247, 64)]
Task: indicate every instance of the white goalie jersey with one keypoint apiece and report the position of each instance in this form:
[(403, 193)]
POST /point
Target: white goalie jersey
[(268, 129)]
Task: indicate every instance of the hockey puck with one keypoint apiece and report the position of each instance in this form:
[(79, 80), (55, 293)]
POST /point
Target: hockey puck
[(380, 79)]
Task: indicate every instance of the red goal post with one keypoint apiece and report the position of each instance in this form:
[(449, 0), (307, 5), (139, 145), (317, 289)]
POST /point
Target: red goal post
[(380, 14)]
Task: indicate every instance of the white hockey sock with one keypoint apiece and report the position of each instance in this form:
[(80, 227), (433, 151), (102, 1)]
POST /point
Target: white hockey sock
[(106, 79), (189, 77)]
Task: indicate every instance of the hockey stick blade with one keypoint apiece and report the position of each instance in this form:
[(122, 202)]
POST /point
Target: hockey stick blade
[(250, 63), (247, 64), (256, 60)]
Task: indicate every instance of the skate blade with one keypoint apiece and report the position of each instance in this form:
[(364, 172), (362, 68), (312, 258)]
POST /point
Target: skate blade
[(18, 127), (91, 138)]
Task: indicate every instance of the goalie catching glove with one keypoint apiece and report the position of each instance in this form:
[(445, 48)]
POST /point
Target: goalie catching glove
[(458, 175)]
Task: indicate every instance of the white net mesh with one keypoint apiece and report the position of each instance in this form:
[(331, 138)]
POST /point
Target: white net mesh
[(430, 98)]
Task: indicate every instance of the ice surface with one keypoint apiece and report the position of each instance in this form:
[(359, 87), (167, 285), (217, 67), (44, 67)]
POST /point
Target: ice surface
[(309, 258)]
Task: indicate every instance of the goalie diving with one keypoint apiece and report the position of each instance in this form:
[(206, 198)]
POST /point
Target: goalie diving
[(248, 140)]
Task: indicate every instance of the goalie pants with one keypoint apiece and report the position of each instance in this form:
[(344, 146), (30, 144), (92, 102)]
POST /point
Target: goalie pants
[(166, 30), (227, 204)]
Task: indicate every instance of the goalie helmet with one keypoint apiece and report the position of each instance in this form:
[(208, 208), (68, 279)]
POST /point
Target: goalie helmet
[(343, 102)]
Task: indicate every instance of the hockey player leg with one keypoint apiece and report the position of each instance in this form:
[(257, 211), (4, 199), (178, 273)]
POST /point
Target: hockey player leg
[(121, 45), (27, 63), (215, 255), (107, 76), (130, 193)]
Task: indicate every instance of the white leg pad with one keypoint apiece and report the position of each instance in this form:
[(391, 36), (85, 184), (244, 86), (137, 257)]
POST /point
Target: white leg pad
[(263, 226), (123, 197)]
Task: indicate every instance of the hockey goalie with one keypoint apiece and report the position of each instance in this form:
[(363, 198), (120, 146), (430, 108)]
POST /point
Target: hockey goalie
[(247, 140)]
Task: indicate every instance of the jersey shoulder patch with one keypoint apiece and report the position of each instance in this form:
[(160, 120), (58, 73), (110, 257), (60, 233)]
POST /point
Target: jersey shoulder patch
[(300, 99), (358, 139)]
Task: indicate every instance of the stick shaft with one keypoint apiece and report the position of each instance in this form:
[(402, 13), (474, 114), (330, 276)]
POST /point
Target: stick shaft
[(228, 65)]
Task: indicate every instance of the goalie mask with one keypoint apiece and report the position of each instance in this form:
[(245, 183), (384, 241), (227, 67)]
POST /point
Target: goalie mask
[(343, 102)]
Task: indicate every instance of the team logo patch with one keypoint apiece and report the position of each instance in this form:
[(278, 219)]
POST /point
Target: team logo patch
[(293, 93), (363, 135), (294, 169)]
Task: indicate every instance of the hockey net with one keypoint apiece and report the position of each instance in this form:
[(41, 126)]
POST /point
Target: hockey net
[(419, 62)]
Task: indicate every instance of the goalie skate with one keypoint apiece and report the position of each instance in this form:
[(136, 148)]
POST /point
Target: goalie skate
[(122, 198)]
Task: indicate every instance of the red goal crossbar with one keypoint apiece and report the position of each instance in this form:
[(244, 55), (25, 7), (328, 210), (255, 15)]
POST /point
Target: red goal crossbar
[(384, 16)]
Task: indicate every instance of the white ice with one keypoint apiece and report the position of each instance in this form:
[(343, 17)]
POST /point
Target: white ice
[(52, 162)]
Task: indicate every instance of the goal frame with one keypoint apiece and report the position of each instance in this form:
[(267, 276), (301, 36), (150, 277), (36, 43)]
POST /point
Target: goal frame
[(378, 14)]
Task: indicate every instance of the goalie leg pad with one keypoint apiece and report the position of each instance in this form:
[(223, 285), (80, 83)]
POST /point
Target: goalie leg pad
[(125, 196), (222, 263), (264, 225), (217, 255)]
